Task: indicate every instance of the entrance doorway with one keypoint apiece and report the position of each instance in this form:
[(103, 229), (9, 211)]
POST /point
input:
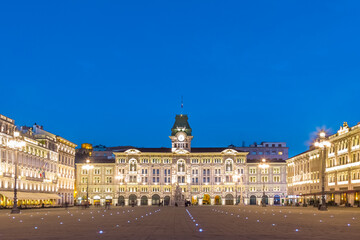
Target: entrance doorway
[(132, 199), (166, 201), (155, 199), (206, 199), (229, 199), (144, 201), (276, 200), (252, 200), (217, 200), (121, 201)]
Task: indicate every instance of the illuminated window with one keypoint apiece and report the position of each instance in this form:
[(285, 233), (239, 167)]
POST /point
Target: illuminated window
[(84, 180), (155, 160), (252, 170), (217, 160), (167, 161), (121, 160), (252, 179), (144, 160), (108, 179), (195, 160), (276, 178), (206, 160), (264, 179), (276, 170), (96, 179)]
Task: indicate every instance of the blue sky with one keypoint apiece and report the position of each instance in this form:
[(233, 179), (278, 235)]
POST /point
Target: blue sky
[(113, 72)]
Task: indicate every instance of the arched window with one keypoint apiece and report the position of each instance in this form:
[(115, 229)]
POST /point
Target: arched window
[(228, 165), (181, 166), (132, 165)]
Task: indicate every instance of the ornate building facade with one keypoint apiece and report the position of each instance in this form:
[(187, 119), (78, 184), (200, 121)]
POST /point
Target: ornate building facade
[(342, 170), (37, 164), (206, 176)]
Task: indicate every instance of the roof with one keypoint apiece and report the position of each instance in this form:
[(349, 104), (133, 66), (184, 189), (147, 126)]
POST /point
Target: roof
[(267, 160), (207, 149), (307, 151), (97, 160), (168, 150), (181, 124)]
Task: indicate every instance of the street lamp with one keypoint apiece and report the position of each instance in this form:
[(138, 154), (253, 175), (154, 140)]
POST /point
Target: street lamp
[(322, 143), (237, 183), (16, 144), (263, 165), (87, 167)]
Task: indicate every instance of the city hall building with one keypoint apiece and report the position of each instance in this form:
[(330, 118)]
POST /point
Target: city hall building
[(206, 176), (340, 165)]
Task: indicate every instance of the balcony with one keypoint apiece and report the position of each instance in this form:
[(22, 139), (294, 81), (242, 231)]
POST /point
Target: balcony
[(357, 147)]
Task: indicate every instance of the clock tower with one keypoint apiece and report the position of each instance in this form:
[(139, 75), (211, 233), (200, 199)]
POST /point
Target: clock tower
[(181, 134)]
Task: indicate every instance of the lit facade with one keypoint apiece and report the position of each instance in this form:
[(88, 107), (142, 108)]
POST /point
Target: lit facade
[(37, 166), (207, 176), (342, 170)]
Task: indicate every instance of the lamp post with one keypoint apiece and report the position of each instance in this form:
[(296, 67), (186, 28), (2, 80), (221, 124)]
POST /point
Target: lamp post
[(87, 167), (263, 165), (237, 181), (322, 143), (16, 144)]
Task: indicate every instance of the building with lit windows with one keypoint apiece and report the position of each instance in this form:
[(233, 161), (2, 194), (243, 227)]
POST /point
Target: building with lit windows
[(342, 170), (206, 176), (39, 177)]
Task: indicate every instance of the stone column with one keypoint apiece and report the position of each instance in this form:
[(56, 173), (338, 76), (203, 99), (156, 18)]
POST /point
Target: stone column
[(212, 201), (126, 202), (149, 201), (350, 197), (337, 198), (200, 201)]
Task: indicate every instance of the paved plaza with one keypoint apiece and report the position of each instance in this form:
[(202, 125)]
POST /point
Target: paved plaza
[(207, 222)]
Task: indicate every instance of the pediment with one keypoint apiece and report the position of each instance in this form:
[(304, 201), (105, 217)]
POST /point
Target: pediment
[(181, 151), (132, 151), (229, 152)]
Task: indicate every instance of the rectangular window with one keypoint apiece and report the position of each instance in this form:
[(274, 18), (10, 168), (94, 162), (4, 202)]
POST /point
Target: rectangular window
[(276, 178), (84, 180), (252, 179), (96, 179), (217, 160), (121, 160), (276, 170), (195, 161), (264, 179), (108, 179)]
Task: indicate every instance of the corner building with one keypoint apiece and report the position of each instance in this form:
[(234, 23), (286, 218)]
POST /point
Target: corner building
[(207, 176), (44, 178), (342, 170)]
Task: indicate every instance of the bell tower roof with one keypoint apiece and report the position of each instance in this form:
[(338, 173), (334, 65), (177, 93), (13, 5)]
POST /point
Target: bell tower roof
[(181, 125)]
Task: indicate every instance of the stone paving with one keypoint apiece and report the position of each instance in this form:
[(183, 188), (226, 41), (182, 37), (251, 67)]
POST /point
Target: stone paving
[(201, 222)]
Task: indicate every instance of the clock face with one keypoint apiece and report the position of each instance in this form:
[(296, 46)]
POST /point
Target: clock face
[(181, 137)]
